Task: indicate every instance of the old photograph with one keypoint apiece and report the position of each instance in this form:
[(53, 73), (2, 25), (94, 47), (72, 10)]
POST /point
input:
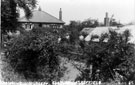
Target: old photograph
[(67, 42)]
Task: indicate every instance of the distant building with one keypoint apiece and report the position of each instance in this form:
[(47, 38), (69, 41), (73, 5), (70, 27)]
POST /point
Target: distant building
[(42, 19), (106, 20)]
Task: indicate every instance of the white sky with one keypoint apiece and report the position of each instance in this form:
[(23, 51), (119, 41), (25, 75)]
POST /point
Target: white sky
[(123, 10)]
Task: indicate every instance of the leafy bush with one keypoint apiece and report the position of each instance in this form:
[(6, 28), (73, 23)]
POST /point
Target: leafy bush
[(34, 55), (111, 58)]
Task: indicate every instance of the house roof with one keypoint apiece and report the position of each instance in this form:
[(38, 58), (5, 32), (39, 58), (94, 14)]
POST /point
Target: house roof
[(98, 31), (101, 30), (41, 17)]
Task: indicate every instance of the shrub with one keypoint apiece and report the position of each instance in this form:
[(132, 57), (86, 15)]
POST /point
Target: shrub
[(34, 55), (109, 60)]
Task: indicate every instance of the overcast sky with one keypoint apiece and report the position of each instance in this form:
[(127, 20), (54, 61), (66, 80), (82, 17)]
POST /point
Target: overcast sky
[(123, 10)]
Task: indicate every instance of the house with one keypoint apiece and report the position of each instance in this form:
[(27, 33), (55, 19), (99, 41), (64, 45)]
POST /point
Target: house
[(42, 19)]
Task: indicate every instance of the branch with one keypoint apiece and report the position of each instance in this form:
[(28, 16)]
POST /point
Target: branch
[(77, 67)]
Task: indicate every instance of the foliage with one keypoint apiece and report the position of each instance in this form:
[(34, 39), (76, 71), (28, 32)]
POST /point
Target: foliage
[(10, 13), (86, 23), (110, 58), (90, 23), (116, 56), (34, 55), (75, 27), (114, 23)]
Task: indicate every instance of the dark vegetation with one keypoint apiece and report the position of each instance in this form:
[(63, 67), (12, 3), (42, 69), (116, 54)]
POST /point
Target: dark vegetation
[(35, 55), (111, 58), (10, 13), (106, 59)]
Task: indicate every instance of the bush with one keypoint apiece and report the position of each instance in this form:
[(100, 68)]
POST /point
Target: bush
[(109, 60), (34, 55)]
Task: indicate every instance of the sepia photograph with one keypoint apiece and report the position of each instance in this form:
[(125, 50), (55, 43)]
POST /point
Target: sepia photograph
[(67, 42)]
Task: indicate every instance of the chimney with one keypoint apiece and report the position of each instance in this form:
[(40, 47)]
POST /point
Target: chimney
[(60, 14), (106, 20), (106, 14)]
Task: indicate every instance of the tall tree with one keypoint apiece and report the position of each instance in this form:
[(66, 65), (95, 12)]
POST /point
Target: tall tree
[(10, 12)]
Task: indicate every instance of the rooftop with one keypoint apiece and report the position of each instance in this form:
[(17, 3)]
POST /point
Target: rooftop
[(102, 30), (41, 17)]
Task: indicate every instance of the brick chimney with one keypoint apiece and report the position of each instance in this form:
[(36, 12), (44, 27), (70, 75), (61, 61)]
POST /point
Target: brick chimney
[(60, 14)]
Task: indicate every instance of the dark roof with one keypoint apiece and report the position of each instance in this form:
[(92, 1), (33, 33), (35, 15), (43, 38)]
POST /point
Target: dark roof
[(41, 17)]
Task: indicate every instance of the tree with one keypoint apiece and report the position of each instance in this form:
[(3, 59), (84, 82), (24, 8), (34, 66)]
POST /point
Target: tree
[(10, 13), (73, 30), (90, 23), (110, 58), (35, 55), (106, 59)]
